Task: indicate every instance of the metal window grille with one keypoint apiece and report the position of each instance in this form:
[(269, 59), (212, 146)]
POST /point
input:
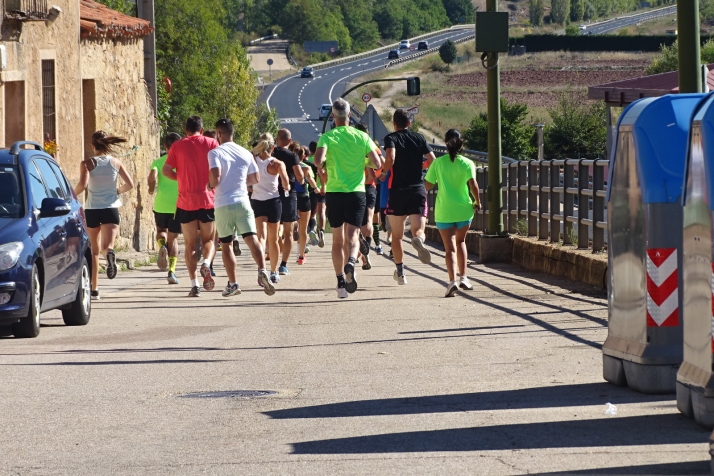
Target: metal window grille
[(25, 9), (48, 100)]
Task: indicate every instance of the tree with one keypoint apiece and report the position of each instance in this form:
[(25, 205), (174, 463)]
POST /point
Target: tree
[(536, 10), (668, 58), (459, 11), (579, 127), (308, 20), (124, 6), (572, 30), (577, 10), (448, 52), (516, 133), (358, 20), (560, 11)]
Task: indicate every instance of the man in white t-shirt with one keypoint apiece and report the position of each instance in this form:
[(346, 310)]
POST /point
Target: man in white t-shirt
[(232, 170)]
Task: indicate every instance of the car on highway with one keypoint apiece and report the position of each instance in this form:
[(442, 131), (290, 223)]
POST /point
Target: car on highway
[(307, 72), (393, 54), (325, 111), (423, 45), (583, 27), (405, 45), (44, 256)]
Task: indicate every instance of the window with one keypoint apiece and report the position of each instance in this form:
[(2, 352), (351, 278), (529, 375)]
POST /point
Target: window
[(51, 181), (38, 188), (11, 203), (48, 100), (62, 180)]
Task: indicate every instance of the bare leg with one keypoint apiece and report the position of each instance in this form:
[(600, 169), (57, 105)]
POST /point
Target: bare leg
[(461, 251), (162, 233), (322, 214), (229, 261), (447, 237), (94, 241), (418, 226), (397, 225), (208, 234), (108, 235), (191, 242), (172, 244), (351, 242), (302, 231), (256, 250), (338, 249), (274, 246), (287, 240)]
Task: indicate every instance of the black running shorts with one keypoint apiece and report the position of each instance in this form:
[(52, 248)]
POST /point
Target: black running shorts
[(167, 221), (371, 202), (303, 202), (345, 207), (271, 209), (407, 201), (290, 208), (204, 215), (102, 216), (316, 198)]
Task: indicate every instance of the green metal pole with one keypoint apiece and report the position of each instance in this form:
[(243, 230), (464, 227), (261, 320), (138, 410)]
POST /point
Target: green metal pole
[(493, 85), (690, 75)]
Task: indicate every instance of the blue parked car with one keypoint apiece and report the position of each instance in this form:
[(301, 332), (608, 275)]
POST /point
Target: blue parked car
[(44, 247)]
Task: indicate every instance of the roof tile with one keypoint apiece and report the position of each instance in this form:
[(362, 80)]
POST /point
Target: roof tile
[(100, 21)]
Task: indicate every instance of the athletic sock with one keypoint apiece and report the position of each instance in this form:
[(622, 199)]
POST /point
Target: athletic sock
[(340, 280), (352, 260), (376, 234), (400, 269), (284, 263), (172, 263), (194, 282), (312, 224), (231, 284), (368, 240), (161, 242)]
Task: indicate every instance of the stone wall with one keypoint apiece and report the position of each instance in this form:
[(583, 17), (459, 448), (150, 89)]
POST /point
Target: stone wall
[(117, 101)]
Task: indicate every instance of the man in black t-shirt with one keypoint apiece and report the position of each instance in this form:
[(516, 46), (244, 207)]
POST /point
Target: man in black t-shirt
[(289, 202), (405, 154)]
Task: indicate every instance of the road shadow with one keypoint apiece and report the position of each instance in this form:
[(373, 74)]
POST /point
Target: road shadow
[(538, 397), (661, 469), (603, 432)]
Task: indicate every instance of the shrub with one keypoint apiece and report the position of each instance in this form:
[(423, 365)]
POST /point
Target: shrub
[(572, 30), (579, 127), (516, 133), (448, 52)]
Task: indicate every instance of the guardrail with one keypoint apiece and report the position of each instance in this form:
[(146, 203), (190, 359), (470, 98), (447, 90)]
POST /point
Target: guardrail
[(654, 10), (384, 49), (425, 52), (258, 40), (476, 156), (533, 192)]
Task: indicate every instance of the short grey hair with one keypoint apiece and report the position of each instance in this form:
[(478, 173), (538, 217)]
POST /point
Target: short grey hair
[(340, 109)]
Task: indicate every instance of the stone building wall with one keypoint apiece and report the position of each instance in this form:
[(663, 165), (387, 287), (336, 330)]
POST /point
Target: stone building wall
[(116, 100)]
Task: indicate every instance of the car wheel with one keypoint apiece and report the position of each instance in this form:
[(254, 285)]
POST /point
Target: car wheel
[(29, 326), (81, 308)]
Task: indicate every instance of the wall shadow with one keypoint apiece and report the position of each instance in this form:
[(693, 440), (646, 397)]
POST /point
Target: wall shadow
[(685, 467)]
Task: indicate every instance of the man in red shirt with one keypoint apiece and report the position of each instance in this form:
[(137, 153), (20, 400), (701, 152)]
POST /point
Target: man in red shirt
[(188, 163)]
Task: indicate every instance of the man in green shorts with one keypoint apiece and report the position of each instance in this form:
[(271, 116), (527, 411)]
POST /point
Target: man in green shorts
[(167, 227), (232, 170), (345, 151)]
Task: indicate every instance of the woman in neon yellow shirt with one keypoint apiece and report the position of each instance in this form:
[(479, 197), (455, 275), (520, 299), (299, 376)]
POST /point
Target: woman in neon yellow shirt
[(456, 176)]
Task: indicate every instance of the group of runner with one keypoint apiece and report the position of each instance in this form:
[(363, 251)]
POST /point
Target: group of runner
[(211, 190)]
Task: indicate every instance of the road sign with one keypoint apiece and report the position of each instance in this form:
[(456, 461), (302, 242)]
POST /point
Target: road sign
[(270, 61), (333, 49), (412, 48), (411, 111), (366, 97)]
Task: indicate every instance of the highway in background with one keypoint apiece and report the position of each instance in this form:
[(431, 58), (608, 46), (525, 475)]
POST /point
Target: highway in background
[(616, 24), (297, 100)]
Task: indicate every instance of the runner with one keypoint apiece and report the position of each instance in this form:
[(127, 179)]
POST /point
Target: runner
[(167, 228), (407, 196), (343, 150), (383, 189), (232, 170), (367, 229), (99, 176), (454, 211), (317, 200), (265, 199), (288, 200), (188, 164), (304, 206)]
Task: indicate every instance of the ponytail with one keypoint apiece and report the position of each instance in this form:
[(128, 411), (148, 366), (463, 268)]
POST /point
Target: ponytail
[(454, 143), (104, 143)]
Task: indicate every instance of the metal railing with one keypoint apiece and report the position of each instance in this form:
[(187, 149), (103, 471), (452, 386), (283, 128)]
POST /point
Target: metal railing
[(558, 200), (425, 52), (25, 9)]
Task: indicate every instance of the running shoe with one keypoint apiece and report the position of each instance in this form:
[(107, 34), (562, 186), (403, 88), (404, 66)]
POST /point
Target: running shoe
[(451, 289), (236, 248), (307, 249), (208, 282), (111, 264), (366, 264), (163, 261), (321, 238), (274, 278), (363, 246), (172, 278), (194, 292), (95, 295), (313, 238), (301, 260), (296, 235), (466, 284), (342, 293), (401, 280), (390, 255), (350, 278), (264, 280), (424, 255), (379, 250), (219, 247), (231, 290), (213, 273), (283, 271)]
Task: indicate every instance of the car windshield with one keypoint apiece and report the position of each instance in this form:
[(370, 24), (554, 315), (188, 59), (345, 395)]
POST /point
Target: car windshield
[(11, 196)]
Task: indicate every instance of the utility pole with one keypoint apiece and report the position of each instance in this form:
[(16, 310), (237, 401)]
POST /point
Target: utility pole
[(493, 85), (145, 11), (690, 75)]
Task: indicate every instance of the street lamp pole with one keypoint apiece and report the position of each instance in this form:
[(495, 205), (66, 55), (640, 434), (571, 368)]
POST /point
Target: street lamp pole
[(493, 86)]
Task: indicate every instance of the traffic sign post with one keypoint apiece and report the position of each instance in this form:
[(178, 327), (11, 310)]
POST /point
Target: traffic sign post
[(333, 50), (412, 111), (270, 69), (366, 97)]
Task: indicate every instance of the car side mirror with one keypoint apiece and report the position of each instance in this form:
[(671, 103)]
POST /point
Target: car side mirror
[(54, 207)]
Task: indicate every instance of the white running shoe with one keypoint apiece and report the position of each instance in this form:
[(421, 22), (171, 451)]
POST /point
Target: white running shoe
[(231, 290), (321, 239), (163, 261), (342, 293), (424, 254), (451, 289), (401, 280), (264, 280), (466, 284)]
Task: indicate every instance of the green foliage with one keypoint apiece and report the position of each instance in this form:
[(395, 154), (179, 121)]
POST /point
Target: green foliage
[(579, 127), (163, 109), (359, 22), (308, 20), (577, 10), (536, 10), (560, 11), (668, 58), (572, 30), (267, 121), (459, 11), (516, 133), (522, 227), (448, 52), (126, 7)]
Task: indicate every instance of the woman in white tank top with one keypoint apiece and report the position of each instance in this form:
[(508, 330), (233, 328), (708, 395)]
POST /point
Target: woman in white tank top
[(265, 199), (98, 175)]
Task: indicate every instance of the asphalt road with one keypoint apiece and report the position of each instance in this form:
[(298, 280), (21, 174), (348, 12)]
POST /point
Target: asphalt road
[(610, 26), (298, 100)]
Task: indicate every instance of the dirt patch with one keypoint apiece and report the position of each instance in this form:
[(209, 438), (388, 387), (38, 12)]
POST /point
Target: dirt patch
[(535, 78), (530, 98)]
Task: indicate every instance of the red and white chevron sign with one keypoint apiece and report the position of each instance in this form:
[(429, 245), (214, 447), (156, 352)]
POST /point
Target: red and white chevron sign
[(662, 287)]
